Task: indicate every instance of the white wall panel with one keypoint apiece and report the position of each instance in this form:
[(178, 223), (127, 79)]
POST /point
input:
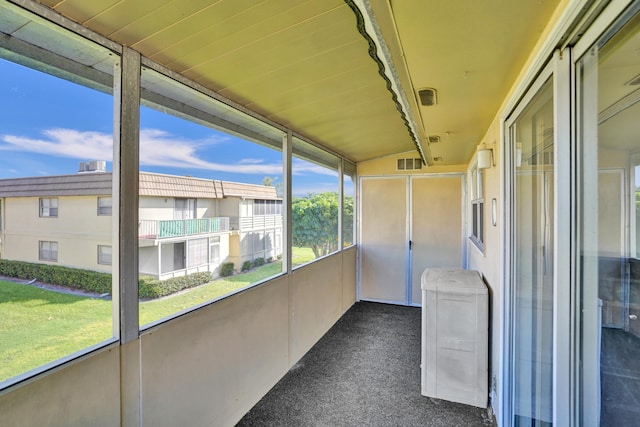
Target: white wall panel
[(85, 393), (211, 366), (316, 302)]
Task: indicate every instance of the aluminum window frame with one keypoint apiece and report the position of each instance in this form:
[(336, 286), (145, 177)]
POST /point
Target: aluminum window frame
[(51, 208), (48, 251)]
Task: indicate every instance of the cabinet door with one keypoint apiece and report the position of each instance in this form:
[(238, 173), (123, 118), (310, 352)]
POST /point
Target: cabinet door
[(383, 242), (436, 227)]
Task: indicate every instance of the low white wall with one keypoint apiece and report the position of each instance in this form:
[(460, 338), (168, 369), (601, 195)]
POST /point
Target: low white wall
[(85, 393), (207, 367)]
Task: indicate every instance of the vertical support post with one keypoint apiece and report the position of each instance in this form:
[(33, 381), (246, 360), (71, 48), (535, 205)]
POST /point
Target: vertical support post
[(125, 240), (287, 153), (340, 204), (126, 170)]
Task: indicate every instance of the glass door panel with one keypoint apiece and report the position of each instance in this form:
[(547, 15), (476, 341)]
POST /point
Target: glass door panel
[(532, 139), (608, 214)]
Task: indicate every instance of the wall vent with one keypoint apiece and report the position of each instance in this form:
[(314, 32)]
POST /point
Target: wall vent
[(433, 139), (409, 164), (427, 96)]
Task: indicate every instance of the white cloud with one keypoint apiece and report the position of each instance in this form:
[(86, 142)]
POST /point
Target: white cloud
[(157, 148), (251, 161), (63, 143), (302, 167)]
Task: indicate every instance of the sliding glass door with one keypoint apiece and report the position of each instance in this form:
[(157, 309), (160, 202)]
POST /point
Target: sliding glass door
[(608, 191), (531, 136)]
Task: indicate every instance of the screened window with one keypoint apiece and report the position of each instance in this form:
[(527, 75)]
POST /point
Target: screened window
[(315, 203), (48, 251), (477, 207), (267, 207), (208, 164), (348, 204), (48, 207), (104, 255), (57, 111), (105, 206)]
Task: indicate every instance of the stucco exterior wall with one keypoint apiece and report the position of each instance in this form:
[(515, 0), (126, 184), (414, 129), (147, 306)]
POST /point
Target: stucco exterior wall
[(78, 230), (156, 208)]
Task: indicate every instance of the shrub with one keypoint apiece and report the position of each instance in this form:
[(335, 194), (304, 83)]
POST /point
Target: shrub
[(97, 282), (247, 265), (258, 262), (151, 288), (226, 269), (88, 280)]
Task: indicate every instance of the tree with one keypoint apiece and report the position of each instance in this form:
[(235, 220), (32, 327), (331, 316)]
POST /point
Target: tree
[(314, 222), (347, 221), (271, 182)]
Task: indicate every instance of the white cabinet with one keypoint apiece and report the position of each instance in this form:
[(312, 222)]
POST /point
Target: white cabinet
[(455, 336)]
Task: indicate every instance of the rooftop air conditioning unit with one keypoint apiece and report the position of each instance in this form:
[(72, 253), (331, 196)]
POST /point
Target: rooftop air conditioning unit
[(97, 166)]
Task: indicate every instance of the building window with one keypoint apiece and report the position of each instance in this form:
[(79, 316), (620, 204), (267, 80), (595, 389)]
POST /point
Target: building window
[(48, 207), (477, 207), (214, 250), (48, 251), (196, 252), (185, 209), (104, 255), (105, 206), (267, 207)]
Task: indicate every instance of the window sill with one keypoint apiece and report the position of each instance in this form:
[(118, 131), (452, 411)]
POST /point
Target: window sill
[(477, 244)]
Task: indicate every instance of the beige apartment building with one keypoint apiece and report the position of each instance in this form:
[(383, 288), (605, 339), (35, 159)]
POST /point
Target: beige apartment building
[(186, 224)]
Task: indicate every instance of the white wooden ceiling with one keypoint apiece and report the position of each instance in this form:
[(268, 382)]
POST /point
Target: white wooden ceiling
[(304, 63)]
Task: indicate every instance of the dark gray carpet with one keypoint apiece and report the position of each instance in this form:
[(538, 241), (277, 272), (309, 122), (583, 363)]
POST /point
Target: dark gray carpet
[(364, 372), (620, 375)]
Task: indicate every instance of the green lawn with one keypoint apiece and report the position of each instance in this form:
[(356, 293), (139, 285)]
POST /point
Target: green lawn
[(38, 326), (151, 311)]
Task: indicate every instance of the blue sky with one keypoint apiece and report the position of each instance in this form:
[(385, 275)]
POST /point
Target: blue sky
[(49, 125)]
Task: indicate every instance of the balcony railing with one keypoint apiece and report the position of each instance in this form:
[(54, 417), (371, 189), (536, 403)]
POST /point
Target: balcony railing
[(256, 222), (161, 229)]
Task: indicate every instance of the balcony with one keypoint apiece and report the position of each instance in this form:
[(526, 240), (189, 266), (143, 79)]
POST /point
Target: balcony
[(162, 229), (256, 222)]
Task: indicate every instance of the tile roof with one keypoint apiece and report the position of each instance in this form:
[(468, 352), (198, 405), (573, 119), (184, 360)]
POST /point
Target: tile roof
[(150, 184)]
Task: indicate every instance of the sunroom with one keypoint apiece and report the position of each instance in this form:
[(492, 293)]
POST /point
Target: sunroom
[(494, 136)]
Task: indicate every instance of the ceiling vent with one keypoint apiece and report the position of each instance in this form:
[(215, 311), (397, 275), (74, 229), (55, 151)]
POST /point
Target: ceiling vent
[(433, 139), (634, 81), (409, 164), (427, 96)]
